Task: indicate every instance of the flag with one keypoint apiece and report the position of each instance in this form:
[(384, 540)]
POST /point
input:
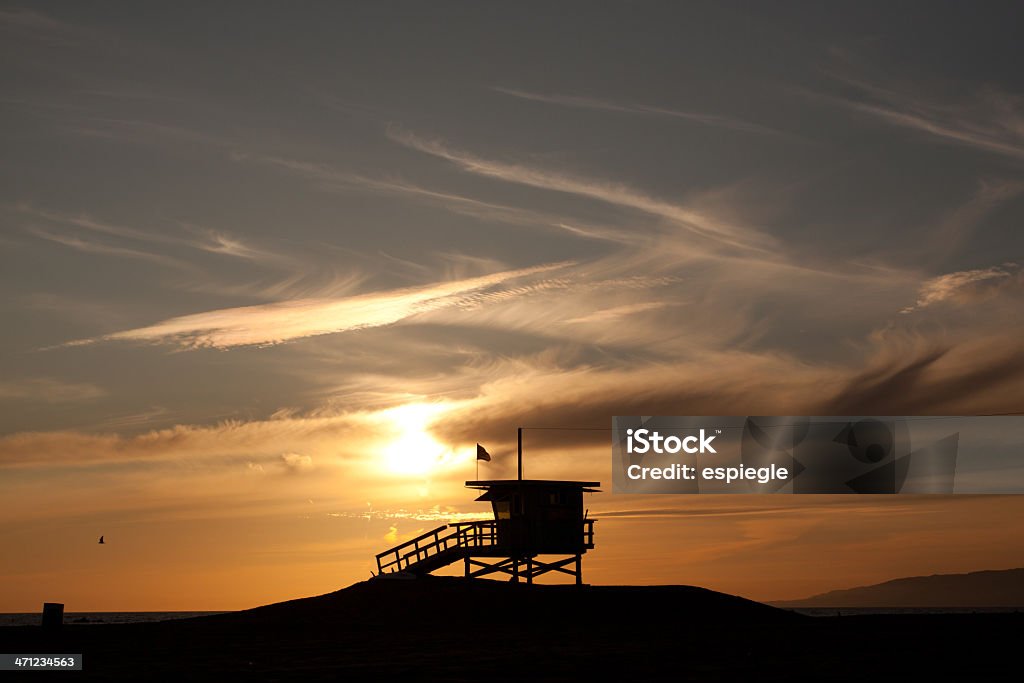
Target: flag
[(482, 454)]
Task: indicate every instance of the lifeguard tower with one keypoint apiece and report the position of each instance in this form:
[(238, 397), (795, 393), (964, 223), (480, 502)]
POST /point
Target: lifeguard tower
[(532, 518)]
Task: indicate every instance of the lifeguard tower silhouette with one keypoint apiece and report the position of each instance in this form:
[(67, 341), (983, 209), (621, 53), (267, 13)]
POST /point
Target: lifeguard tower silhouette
[(532, 517)]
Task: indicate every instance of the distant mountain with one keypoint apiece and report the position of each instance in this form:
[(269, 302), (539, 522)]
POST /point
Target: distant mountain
[(1003, 588)]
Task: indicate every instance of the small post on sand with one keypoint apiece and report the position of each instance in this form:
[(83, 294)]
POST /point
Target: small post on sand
[(53, 616)]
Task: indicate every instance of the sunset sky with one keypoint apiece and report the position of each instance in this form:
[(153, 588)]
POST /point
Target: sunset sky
[(269, 272)]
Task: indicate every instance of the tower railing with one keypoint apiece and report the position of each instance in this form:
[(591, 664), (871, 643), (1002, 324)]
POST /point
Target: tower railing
[(449, 543)]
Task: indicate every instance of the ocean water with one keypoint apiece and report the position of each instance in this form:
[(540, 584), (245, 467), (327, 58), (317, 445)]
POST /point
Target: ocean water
[(855, 611), (35, 618)]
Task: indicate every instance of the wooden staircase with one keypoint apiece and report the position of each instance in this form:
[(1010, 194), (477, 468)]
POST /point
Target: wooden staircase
[(438, 548)]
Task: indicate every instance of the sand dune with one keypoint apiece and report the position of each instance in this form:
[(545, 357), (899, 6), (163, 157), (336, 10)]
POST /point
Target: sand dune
[(454, 629)]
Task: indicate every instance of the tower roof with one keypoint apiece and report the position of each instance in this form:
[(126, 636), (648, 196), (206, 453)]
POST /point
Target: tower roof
[(585, 486)]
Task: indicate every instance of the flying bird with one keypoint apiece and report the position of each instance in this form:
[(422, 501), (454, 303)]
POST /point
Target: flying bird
[(101, 541)]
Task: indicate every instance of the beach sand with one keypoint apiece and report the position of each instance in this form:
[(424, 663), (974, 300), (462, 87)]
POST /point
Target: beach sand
[(453, 629)]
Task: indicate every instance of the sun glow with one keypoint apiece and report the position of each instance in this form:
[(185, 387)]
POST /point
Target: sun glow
[(413, 450)]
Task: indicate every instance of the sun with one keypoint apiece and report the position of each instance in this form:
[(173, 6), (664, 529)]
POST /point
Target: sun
[(413, 450)]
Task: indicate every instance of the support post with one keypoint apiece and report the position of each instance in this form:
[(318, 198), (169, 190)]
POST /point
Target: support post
[(529, 571), (579, 570), (466, 560)]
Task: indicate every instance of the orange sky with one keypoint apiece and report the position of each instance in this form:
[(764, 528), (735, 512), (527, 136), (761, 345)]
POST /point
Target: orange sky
[(192, 540)]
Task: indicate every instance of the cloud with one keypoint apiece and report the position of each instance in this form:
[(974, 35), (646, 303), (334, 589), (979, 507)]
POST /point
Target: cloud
[(904, 374), (269, 324), (954, 231), (711, 225), (616, 313), (29, 19), (330, 281), (212, 241), (48, 390), (535, 393), (90, 247), (698, 223), (328, 178), (913, 374), (142, 132), (295, 462), (434, 514), (743, 506), (20, 22), (93, 225), (259, 442), (606, 105), (988, 120), (146, 418), (967, 286), (220, 243)]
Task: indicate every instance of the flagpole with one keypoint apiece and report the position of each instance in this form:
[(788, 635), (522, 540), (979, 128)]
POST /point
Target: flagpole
[(520, 430)]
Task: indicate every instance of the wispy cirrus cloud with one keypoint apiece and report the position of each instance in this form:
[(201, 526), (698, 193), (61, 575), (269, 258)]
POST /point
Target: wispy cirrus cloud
[(967, 286), (217, 242), (143, 132), (990, 119), (48, 390), (580, 102), (29, 19), (272, 440), (332, 179), (20, 22), (96, 226), (93, 247), (188, 235), (616, 313), (154, 415), (699, 223), (956, 228), (275, 323)]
